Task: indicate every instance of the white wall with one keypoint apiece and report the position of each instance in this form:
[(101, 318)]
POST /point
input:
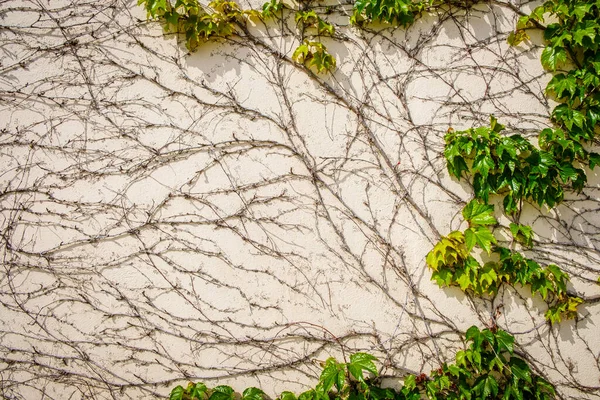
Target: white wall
[(224, 214)]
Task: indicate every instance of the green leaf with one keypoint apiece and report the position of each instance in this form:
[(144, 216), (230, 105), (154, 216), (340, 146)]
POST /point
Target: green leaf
[(177, 393), (552, 57), (562, 85), (594, 160), (308, 395), (473, 333), (443, 277), (486, 386), (483, 163), (253, 393), (464, 278), (461, 358), (197, 391), (520, 369), (523, 21), (360, 362), (581, 9), (222, 392), (480, 235), (410, 382), (287, 396), (479, 214), (488, 277), (504, 341), (586, 29), (517, 37), (543, 386), (522, 234), (377, 393), (332, 374)]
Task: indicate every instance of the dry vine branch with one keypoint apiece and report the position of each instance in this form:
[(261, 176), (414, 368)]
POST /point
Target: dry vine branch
[(168, 215)]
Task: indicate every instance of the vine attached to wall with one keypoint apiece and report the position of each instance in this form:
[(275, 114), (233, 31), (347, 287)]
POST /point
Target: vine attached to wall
[(223, 18), (514, 169), (510, 167), (488, 368)]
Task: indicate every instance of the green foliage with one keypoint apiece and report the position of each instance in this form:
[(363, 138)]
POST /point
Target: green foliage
[(223, 18), (310, 19), (199, 391), (453, 265), (487, 368), (395, 12), (314, 54), (270, 8), (512, 167), (198, 23), (522, 234), (572, 40)]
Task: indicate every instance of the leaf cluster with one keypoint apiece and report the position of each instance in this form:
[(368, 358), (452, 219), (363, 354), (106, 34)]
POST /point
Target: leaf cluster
[(512, 167), (394, 12), (314, 54), (197, 22), (310, 19), (453, 265), (573, 39), (222, 18), (486, 369), (271, 8), (199, 391)]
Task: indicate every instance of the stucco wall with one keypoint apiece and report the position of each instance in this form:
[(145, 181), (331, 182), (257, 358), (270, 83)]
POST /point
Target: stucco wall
[(227, 216)]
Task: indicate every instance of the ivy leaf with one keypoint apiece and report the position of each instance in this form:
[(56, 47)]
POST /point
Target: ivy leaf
[(473, 333), (481, 236), (486, 385), (410, 382), (377, 393), (287, 396), (177, 393), (483, 163), (253, 393), (222, 392), (520, 369), (461, 358), (568, 173), (443, 277), (562, 85), (523, 22), (308, 395), (464, 278), (542, 386), (553, 56), (581, 10), (517, 37), (586, 29), (522, 234), (488, 277), (479, 214), (197, 391), (594, 160), (333, 374), (359, 362), (541, 284), (504, 341)]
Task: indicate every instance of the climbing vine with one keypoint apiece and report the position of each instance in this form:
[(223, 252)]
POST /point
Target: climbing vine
[(488, 368), (516, 170), (224, 18), (510, 167)]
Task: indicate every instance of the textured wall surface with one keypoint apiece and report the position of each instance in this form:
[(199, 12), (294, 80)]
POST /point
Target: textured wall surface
[(229, 216)]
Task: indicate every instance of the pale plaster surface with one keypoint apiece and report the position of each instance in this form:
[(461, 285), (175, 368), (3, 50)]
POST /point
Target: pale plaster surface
[(168, 216)]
